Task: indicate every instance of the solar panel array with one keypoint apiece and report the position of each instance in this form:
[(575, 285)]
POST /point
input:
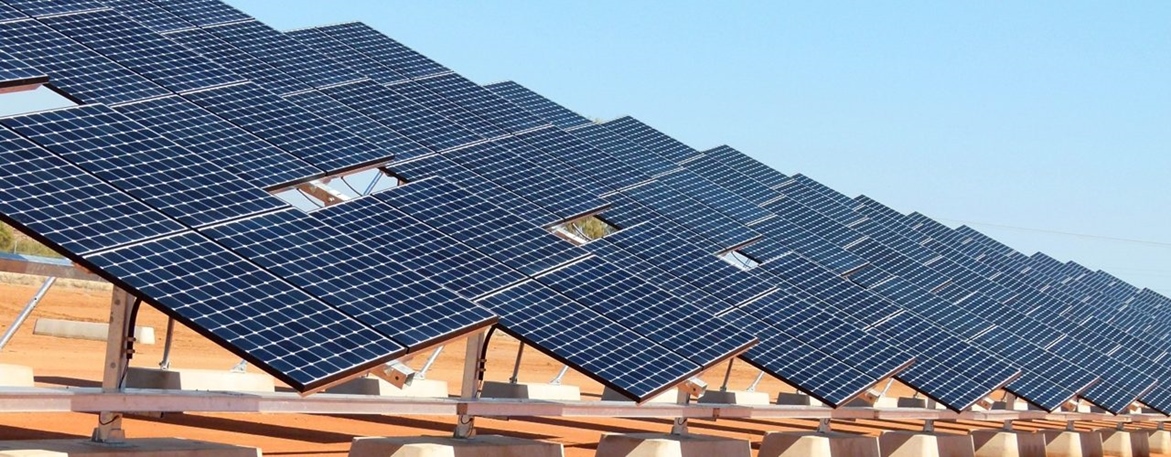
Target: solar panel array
[(193, 112)]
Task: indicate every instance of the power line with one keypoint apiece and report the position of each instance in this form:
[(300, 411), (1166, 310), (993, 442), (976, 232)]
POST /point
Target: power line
[(1058, 232)]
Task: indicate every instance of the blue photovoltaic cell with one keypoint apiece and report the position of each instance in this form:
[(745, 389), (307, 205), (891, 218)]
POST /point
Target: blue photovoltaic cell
[(66, 206), (742, 163), (240, 62), (648, 310), (483, 226), (557, 166), (126, 154), (149, 15), (13, 72), (368, 129), (449, 109), (593, 162), (8, 13), (658, 142), (203, 12), (538, 105), (589, 342), (718, 232), (623, 149), (238, 151), (356, 279), (483, 102), (727, 203), (740, 184), (415, 121), (43, 7), (290, 127), (317, 39), (284, 53), (437, 165), (83, 74), (655, 275), (419, 247), (299, 340), (141, 50), (383, 49)]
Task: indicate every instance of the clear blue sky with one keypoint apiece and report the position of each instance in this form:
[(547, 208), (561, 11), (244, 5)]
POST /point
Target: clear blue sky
[(1038, 115)]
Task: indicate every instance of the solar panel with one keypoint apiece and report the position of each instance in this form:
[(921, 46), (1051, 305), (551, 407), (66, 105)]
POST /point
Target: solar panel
[(648, 310), (355, 278), (747, 188), (782, 237), (8, 13), (437, 165), (538, 104), (383, 49), (420, 247), (284, 53), (403, 115), (454, 112), (44, 8), (240, 62), (83, 74), (66, 206), (589, 342), (742, 163), (234, 149), (636, 266), (623, 149), (290, 127), (610, 174), (149, 15), (481, 225), (658, 142), (141, 50), (319, 40), (301, 341), (126, 154), (14, 73), (718, 232), (364, 127), (727, 203), (484, 103), (203, 12)]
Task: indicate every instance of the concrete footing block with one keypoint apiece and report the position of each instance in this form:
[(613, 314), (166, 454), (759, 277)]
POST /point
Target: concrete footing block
[(1124, 443), (16, 376), (1159, 441), (922, 444), (187, 379), (669, 396), (1064, 443), (530, 391), (420, 388), (480, 446), (735, 397), (659, 445), (813, 444), (94, 331), (146, 447), (1004, 443), (800, 400)]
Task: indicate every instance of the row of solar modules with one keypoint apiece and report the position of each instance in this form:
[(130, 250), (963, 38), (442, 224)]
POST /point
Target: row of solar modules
[(860, 291)]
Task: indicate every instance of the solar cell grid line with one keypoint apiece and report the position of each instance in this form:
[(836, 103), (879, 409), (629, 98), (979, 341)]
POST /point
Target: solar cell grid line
[(869, 277), (8, 13), (480, 224), (590, 343), (402, 114), (970, 281), (203, 13), (746, 165), (716, 232), (652, 312), (318, 40), (483, 102), (84, 75), (383, 49), (989, 241), (235, 59), (284, 53), (557, 166), (822, 203), (654, 140), (1117, 391), (529, 180), (298, 340), (437, 165), (1061, 379), (66, 207), (812, 371), (591, 161), (39, 8), (440, 258), (290, 127), (782, 236), (234, 149), (353, 277), (538, 105), (654, 274), (824, 190), (714, 196), (361, 125), (449, 109), (898, 264), (142, 51), (955, 320), (623, 149), (129, 156), (149, 15), (805, 217), (740, 184), (14, 73)]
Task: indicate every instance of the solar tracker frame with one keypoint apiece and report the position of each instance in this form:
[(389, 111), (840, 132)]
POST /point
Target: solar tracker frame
[(149, 15), (15, 74)]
